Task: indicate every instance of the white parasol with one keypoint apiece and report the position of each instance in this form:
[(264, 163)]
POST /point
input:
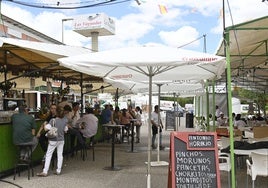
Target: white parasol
[(140, 64)]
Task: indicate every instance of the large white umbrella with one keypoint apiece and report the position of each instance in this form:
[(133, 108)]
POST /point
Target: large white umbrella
[(145, 63), (182, 88)]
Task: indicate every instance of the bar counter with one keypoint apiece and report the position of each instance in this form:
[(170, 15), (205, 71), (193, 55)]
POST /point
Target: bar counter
[(8, 150)]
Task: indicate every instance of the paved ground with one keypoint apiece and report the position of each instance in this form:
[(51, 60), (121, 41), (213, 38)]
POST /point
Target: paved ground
[(90, 174)]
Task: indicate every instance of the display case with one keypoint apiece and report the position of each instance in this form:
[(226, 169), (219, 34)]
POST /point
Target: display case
[(10, 104)]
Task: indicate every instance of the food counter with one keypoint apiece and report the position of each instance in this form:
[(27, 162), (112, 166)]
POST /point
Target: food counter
[(8, 149)]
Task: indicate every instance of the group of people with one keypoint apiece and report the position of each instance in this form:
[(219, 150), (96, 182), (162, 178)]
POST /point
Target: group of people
[(66, 118), (122, 117), (238, 121), (126, 116)]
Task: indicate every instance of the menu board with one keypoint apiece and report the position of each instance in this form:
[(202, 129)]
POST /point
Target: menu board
[(170, 120), (193, 160)]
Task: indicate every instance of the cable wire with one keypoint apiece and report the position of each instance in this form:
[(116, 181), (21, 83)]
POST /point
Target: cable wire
[(58, 5), (191, 41)]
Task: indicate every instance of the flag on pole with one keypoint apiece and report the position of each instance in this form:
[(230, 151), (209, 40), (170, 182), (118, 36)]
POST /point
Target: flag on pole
[(163, 9)]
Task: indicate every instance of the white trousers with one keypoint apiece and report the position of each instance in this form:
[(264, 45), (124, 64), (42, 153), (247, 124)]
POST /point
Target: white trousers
[(52, 145)]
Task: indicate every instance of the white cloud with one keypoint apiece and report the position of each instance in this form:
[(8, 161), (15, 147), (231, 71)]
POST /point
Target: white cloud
[(241, 11), (182, 36), (182, 24)]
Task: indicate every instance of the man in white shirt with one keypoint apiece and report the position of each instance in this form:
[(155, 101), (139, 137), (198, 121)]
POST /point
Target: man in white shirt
[(88, 124), (156, 126)]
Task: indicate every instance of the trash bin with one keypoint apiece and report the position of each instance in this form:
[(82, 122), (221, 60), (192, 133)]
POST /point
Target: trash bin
[(189, 120)]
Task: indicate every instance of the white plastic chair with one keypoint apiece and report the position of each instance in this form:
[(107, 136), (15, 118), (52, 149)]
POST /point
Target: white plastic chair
[(225, 164), (258, 167)]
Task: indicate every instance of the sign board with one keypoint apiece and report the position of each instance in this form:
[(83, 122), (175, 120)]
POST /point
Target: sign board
[(170, 120), (88, 24), (193, 160)]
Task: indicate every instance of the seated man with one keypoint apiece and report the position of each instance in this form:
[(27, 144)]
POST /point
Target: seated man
[(88, 124), (24, 126), (221, 121)]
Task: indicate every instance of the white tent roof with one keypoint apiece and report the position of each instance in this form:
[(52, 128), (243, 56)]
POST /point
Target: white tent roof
[(49, 50), (22, 57), (248, 50)]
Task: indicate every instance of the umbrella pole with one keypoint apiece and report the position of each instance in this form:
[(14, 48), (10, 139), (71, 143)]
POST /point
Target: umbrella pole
[(158, 162), (149, 132)]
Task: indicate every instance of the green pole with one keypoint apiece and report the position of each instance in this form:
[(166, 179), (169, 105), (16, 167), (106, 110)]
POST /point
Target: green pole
[(207, 109), (229, 93), (213, 104)]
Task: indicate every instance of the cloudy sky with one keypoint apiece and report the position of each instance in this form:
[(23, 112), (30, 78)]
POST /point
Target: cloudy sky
[(184, 22)]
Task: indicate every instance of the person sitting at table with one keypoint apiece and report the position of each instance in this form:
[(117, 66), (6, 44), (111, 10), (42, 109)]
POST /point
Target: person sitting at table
[(88, 124), (125, 120), (131, 112), (116, 117), (73, 131), (260, 120), (239, 123), (23, 130), (221, 121), (74, 114), (106, 117)]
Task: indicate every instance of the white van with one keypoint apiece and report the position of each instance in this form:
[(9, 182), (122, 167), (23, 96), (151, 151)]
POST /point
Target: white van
[(245, 108)]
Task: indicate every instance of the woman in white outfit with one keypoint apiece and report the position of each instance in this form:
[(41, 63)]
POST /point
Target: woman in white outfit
[(57, 142)]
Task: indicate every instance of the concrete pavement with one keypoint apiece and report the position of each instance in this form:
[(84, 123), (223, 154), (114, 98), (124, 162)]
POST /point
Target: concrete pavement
[(133, 173)]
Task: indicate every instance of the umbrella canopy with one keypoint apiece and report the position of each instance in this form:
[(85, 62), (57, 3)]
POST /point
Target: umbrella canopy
[(148, 63), (134, 64), (187, 88)]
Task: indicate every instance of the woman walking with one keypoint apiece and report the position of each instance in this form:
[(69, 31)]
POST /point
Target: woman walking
[(60, 122)]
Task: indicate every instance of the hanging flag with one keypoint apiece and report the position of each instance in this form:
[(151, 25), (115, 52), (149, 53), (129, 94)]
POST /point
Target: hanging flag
[(221, 14), (163, 9)]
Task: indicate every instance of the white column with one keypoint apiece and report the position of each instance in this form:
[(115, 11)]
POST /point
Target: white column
[(94, 42)]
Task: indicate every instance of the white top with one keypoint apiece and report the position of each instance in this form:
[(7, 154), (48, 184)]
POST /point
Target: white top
[(240, 124), (88, 125), (218, 113), (75, 116), (154, 117)]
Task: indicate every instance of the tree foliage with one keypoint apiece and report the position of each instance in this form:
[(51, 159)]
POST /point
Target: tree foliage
[(181, 101), (257, 97)]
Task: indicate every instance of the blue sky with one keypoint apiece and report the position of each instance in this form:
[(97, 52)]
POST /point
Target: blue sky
[(185, 21)]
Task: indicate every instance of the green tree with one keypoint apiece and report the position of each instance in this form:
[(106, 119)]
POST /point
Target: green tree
[(257, 97)]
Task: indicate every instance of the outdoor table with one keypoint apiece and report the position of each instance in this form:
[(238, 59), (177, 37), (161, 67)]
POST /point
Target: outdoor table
[(113, 127), (248, 152), (132, 124)]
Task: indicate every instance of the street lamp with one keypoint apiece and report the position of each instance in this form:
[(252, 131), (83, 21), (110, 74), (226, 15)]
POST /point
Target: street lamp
[(62, 27)]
